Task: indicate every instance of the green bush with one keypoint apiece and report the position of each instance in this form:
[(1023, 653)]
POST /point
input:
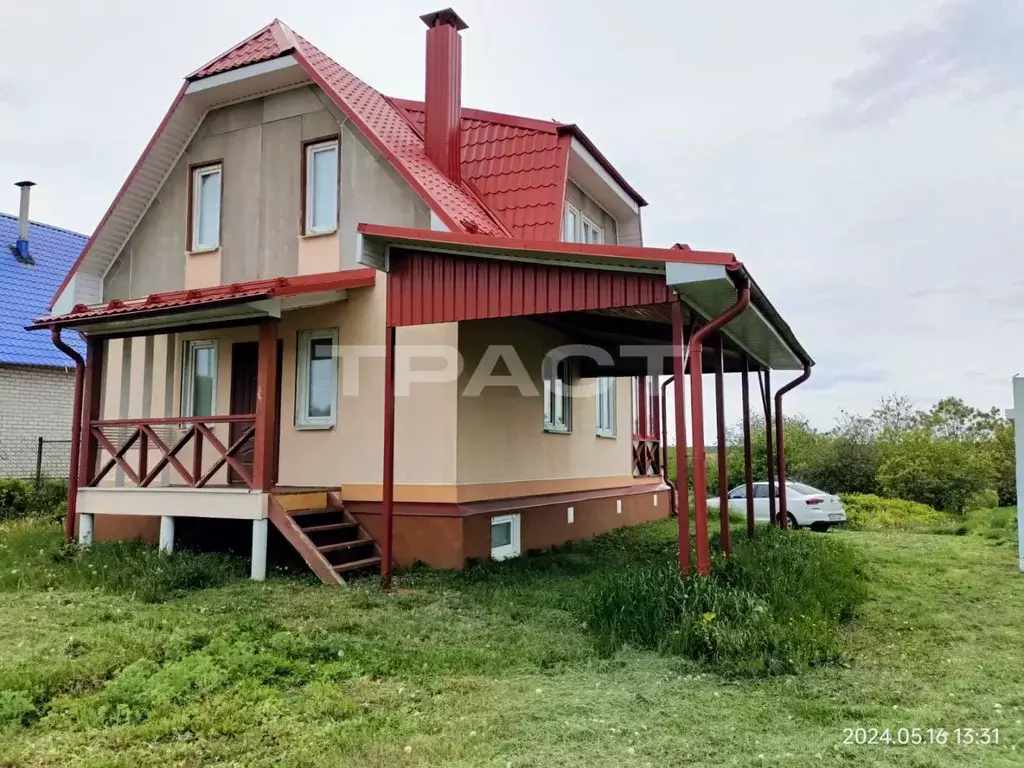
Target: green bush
[(998, 525), (21, 497), (866, 512), (987, 499), (774, 607), (33, 554)]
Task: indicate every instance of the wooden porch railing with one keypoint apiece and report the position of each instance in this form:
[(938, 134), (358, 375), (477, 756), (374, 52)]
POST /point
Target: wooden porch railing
[(179, 432), (646, 456)]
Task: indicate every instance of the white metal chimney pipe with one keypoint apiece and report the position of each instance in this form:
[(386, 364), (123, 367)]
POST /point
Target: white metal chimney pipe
[(26, 189)]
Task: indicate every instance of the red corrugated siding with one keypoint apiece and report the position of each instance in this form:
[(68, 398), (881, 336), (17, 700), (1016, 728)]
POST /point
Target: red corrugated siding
[(428, 288)]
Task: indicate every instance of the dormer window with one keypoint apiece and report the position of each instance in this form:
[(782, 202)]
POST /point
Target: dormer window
[(205, 201), (577, 228), (321, 201)]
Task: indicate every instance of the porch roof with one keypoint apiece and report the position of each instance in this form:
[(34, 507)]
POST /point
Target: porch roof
[(703, 281), (244, 301)]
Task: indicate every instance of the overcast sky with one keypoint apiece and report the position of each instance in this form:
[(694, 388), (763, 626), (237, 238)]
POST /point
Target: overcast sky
[(862, 157)]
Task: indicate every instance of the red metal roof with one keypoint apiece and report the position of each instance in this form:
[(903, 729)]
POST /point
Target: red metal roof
[(516, 165), (169, 301), (268, 43)]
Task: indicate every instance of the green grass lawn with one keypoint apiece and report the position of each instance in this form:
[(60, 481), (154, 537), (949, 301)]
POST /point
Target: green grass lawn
[(494, 669)]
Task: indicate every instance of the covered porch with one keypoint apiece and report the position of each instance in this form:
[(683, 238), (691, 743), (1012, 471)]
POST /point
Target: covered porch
[(168, 429), (640, 313)]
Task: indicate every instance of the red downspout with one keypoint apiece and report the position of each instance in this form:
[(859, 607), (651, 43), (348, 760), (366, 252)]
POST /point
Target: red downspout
[(748, 472), (76, 430), (682, 483), (766, 400), (700, 487), (781, 452), (388, 479), (664, 450), (723, 470)]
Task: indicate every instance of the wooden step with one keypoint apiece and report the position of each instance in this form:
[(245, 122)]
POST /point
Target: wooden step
[(328, 527), (355, 565), (312, 511), (344, 545)]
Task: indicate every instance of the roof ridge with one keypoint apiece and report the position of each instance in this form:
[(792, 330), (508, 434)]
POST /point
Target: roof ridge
[(33, 222), (472, 113)]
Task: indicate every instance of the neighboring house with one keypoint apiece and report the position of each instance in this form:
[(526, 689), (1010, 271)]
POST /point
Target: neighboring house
[(36, 379), (286, 227)]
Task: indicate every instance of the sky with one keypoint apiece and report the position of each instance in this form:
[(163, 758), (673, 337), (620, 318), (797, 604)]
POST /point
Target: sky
[(862, 157)]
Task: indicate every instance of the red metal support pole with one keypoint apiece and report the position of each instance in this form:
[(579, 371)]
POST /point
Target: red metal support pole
[(766, 399), (92, 385), (664, 448), (781, 452), (723, 471), (641, 405), (76, 430), (748, 473), (264, 446), (388, 481), (682, 483), (700, 488)]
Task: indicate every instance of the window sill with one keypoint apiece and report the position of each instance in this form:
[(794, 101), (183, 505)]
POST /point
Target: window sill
[(314, 427), (202, 251), (607, 435), (557, 431), (312, 235)]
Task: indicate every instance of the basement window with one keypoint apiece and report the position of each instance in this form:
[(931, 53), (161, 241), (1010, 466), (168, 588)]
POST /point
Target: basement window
[(199, 378), (321, 171), (505, 537), (316, 389), (605, 406), (557, 396), (205, 199)]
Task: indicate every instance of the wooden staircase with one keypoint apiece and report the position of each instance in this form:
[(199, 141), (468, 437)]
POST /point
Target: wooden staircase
[(327, 537)]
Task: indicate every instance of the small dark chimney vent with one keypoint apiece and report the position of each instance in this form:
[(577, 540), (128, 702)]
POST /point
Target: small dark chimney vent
[(20, 248), (443, 98)]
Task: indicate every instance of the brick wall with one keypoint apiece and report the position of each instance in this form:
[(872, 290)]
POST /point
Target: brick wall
[(35, 402)]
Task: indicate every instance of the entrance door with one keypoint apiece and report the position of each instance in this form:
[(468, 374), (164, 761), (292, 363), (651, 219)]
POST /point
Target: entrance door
[(244, 366)]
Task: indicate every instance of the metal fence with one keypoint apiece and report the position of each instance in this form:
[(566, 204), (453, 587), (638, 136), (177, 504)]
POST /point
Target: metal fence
[(36, 458)]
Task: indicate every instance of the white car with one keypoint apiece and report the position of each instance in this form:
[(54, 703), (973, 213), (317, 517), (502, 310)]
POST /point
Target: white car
[(807, 506)]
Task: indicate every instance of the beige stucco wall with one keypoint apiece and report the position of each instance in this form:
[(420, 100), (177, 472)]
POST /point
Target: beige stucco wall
[(501, 435)]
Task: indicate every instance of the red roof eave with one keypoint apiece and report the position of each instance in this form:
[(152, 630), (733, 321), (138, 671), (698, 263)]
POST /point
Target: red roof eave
[(170, 302), (412, 236)]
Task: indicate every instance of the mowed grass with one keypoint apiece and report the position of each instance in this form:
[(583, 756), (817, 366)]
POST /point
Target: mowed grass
[(494, 668)]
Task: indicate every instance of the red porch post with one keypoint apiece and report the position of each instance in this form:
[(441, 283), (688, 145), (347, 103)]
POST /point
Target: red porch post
[(682, 483), (779, 435), (766, 397), (723, 473), (641, 406), (388, 480), (264, 444), (748, 473), (89, 449)]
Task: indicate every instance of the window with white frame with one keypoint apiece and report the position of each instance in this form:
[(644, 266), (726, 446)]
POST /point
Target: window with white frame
[(605, 406), (590, 232), (316, 379), (199, 378), (321, 187), (570, 225), (505, 537), (206, 199), (557, 396)]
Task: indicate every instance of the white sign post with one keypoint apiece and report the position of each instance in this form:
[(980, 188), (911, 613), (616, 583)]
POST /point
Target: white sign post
[(1018, 429)]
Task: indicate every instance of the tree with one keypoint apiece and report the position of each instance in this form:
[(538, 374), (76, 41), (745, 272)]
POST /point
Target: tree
[(1004, 462)]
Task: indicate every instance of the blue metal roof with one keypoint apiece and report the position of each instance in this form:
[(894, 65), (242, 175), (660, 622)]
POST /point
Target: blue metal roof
[(26, 291)]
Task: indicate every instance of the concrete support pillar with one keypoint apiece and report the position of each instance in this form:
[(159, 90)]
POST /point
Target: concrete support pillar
[(85, 529), (166, 534), (258, 569)]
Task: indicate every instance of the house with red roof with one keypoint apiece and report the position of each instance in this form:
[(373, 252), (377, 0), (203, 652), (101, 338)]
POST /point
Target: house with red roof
[(384, 331)]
